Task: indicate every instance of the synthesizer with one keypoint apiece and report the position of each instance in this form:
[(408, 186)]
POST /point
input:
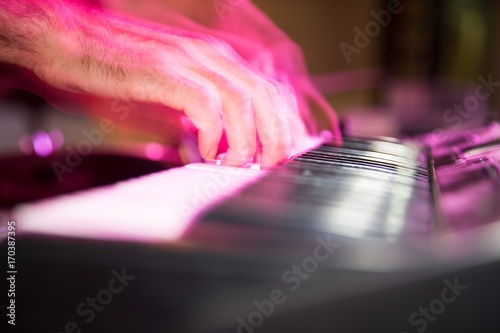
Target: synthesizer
[(353, 238)]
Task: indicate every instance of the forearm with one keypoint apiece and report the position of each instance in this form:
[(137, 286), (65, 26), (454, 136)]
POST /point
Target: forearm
[(25, 26), (36, 34), (49, 37)]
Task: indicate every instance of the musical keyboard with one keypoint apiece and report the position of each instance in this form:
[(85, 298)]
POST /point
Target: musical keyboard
[(363, 189), (205, 241), (153, 208)]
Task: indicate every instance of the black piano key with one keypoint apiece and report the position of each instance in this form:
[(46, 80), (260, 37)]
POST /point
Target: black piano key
[(345, 171), (366, 188), (323, 218), (387, 147), (321, 187), (361, 165), (351, 153)]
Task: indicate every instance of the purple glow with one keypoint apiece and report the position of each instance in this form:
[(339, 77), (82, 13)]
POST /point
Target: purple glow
[(42, 143), (154, 151)]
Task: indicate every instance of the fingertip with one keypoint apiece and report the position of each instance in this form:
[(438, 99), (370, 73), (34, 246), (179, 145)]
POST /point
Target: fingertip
[(208, 144), (337, 138), (336, 133), (271, 161), (208, 153), (273, 156), (239, 157)]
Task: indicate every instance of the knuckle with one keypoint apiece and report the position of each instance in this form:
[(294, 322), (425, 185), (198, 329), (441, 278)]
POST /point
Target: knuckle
[(240, 97), (206, 97), (206, 42), (206, 38), (266, 87), (215, 42)]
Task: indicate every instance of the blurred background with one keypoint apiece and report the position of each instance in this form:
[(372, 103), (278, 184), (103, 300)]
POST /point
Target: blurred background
[(427, 59), (402, 79), (413, 76)]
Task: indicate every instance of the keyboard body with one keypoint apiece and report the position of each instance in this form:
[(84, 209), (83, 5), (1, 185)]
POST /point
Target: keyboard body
[(352, 238)]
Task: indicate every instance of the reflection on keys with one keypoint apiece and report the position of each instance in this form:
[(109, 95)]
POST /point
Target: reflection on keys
[(363, 189)]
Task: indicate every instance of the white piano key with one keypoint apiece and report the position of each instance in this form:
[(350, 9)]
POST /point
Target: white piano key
[(156, 207)]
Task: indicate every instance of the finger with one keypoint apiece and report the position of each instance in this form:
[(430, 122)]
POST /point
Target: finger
[(269, 107), (237, 98), (236, 110), (271, 110), (296, 125), (200, 101), (238, 119), (304, 139), (315, 97)]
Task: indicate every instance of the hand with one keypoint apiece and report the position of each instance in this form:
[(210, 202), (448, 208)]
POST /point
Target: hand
[(284, 61), (117, 57), (250, 32), (278, 56)]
